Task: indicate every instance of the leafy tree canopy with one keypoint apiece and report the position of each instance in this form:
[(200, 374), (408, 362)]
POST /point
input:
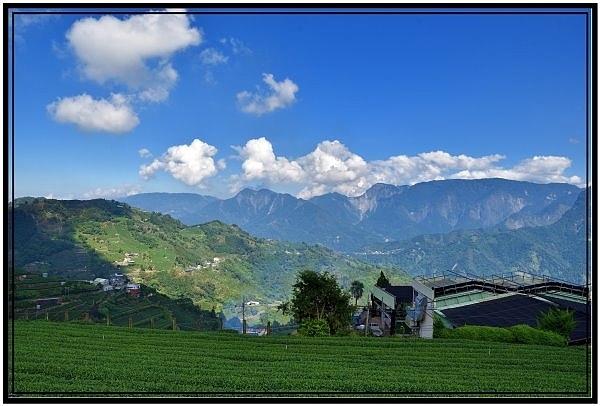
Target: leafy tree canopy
[(319, 297)]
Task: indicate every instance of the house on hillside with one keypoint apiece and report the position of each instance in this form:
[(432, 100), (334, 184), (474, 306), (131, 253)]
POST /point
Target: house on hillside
[(118, 281), (132, 289)]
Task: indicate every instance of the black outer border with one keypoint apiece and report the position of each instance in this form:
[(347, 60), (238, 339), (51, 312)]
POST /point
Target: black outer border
[(587, 9)]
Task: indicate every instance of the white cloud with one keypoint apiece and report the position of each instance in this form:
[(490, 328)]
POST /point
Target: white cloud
[(434, 165), (134, 52), (88, 114), (237, 46), (211, 56), (145, 153), (332, 167), (111, 193), (191, 164), (159, 88), (114, 49), (261, 163), (282, 95)]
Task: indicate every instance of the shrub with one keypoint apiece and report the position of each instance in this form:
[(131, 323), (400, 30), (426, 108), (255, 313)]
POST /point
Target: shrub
[(438, 327), (557, 320), (520, 334), (314, 328), (525, 334)]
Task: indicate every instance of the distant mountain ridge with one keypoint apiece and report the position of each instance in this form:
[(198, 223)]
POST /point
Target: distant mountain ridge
[(383, 213), (557, 250), (181, 206)]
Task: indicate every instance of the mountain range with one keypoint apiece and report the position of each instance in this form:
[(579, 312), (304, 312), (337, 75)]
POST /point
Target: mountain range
[(485, 226), (382, 214), (559, 250)]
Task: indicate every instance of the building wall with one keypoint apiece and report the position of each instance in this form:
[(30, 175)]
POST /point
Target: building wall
[(426, 325)]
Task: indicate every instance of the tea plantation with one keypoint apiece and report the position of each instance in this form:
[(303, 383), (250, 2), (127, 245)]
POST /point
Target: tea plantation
[(83, 359)]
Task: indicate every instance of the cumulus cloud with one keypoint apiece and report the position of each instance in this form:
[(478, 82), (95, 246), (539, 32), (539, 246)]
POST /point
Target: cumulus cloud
[(434, 165), (114, 192), (111, 49), (191, 164), (261, 163), (114, 115), (332, 167), (134, 52), (282, 94)]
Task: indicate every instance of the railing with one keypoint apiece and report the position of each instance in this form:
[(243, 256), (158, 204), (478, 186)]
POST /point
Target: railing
[(503, 284)]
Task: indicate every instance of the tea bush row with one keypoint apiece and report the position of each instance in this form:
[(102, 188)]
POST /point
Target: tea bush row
[(71, 357)]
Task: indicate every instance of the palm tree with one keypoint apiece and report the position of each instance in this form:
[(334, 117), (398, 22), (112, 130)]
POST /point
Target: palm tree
[(284, 307), (357, 288)]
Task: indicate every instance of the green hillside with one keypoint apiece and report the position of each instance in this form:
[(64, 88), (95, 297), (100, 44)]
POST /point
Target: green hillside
[(212, 264), (54, 298), (62, 359)]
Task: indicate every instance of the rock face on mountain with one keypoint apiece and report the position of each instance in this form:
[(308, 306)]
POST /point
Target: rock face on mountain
[(558, 250), (450, 205), (383, 213)]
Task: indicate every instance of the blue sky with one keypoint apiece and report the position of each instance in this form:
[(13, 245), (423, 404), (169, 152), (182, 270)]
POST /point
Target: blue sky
[(107, 105)]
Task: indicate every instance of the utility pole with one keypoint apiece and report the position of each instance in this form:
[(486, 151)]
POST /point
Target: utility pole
[(243, 317), (367, 322)]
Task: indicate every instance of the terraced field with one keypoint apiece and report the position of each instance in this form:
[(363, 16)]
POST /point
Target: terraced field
[(76, 359)]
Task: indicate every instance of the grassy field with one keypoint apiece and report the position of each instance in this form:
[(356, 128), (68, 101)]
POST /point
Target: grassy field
[(77, 359)]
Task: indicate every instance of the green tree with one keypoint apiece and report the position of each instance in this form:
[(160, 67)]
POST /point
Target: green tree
[(284, 307), (319, 297), (382, 281), (557, 320), (357, 289)]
